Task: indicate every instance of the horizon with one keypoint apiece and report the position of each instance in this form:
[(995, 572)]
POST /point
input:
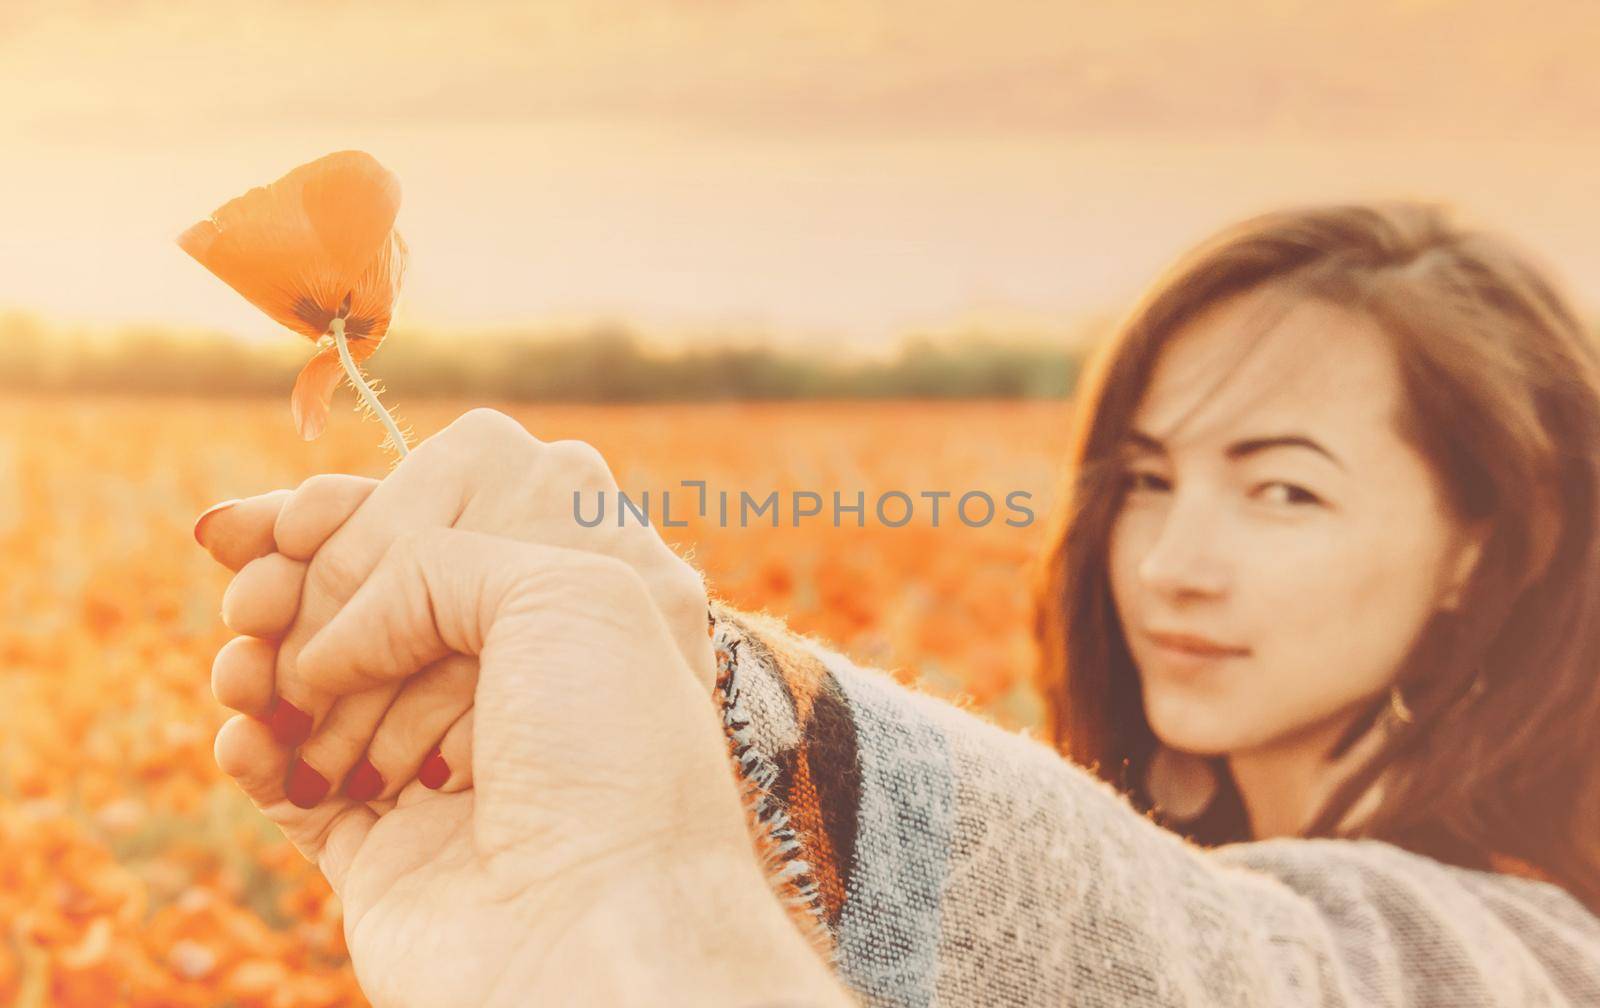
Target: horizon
[(829, 176)]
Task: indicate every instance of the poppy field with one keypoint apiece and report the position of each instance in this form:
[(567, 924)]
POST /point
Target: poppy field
[(136, 874)]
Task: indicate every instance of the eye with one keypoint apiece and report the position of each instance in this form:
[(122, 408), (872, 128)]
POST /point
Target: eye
[(1135, 482), (1292, 494)]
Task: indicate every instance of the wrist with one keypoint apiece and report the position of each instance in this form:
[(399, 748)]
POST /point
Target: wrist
[(701, 932)]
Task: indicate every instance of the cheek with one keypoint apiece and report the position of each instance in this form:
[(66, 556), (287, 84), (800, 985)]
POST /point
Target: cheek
[(1328, 620), (1343, 617), (1131, 533)]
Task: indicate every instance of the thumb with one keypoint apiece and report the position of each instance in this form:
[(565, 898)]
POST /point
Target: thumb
[(590, 727), (435, 591)]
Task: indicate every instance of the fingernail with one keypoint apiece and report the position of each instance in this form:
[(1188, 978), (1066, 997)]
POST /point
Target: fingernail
[(290, 725), (435, 771), (206, 516), (365, 782), (305, 787)]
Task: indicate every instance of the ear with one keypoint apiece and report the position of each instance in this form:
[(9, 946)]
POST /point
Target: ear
[(1468, 550)]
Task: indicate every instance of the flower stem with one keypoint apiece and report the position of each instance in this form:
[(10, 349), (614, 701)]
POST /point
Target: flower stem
[(364, 389)]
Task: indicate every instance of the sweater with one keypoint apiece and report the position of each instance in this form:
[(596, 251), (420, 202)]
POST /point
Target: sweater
[(934, 858)]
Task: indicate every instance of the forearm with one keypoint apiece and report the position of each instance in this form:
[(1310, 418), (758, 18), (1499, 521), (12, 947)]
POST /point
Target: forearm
[(958, 863), (708, 933)]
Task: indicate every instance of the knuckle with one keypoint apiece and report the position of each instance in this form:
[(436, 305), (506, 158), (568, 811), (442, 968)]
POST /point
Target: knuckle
[(477, 447), (576, 454), (334, 573), (482, 425), (265, 580), (305, 500), (579, 464), (316, 487)]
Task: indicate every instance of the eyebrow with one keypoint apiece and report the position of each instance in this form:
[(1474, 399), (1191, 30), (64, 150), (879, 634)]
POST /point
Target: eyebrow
[(1248, 446)]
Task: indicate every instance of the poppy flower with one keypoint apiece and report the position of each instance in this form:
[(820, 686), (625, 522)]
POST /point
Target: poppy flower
[(317, 245)]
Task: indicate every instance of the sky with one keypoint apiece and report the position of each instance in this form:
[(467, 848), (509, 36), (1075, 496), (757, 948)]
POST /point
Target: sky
[(813, 170)]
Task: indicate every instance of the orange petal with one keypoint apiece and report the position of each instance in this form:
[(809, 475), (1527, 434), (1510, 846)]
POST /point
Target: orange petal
[(296, 248), (313, 392), (372, 301)]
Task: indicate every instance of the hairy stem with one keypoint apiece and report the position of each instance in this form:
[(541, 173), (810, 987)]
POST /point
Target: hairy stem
[(371, 397)]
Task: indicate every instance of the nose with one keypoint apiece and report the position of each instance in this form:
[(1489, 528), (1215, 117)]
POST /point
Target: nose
[(1188, 557)]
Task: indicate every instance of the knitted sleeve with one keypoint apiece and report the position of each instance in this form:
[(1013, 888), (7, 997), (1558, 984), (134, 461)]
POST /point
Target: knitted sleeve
[(937, 859)]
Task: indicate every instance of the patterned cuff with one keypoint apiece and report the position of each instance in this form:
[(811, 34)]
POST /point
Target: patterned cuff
[(779, 848)]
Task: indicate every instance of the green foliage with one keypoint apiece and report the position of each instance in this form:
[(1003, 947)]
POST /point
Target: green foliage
[(604, 364)]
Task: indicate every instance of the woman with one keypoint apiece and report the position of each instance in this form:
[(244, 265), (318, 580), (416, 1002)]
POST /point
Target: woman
[(1458, 557), (1320, 597)]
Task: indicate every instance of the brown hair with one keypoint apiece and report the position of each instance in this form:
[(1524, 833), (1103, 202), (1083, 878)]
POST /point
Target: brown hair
[(1502, 400)]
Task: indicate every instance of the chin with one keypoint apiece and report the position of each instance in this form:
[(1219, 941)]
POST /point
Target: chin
[(1195, 744), (1199, 729)]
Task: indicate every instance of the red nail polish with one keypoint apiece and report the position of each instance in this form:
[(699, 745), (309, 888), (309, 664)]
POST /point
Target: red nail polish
[(290, 725), (206, 516), (364, 783), (435, 771), (305, 787)]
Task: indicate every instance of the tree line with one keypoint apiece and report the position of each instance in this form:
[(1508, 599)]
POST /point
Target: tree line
[(601, 364)]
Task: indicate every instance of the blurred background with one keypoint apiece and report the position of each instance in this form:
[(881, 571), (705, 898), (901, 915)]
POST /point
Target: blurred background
[(700, 173), (853, 246)]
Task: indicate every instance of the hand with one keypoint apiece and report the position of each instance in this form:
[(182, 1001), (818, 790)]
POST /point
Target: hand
[(483, 473), (603, 855), (241, 531)]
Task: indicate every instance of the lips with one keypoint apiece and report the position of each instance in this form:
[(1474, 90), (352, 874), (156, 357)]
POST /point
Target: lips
[(1194, 644)]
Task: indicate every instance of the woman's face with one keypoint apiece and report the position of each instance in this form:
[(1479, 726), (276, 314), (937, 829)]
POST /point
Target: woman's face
[(1316, 561)]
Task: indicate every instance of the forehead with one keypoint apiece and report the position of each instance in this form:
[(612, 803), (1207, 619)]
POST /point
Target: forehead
[(1268, 363)]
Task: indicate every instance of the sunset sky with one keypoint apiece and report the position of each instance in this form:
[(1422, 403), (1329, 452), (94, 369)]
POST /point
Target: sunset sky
[(799, 169)]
